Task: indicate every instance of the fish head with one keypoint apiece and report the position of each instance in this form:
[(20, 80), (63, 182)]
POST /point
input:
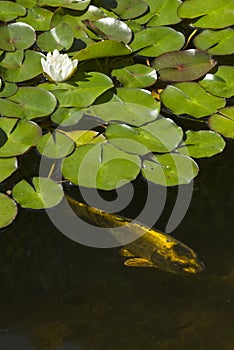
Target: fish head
[(178, 258)]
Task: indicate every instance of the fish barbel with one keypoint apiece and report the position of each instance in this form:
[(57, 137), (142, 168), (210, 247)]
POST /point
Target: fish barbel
[(151, 248)]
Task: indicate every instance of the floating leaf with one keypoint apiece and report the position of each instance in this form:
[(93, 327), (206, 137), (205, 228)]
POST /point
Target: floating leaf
[(16, 36), (223, 122), (216, 42), (56, 145), (83, 137), (83, 92), (100, 166), (155, 41), (190, 98), (20, 66), (58, 38), (79, 5), (8, 90), (105, 48), (210, 13), (183, 65), (67, 116), (126, 9), (10, 10), (114, 29), (44, 193), (8, 210), (132, 106), (203, 143), (162, 135), (28, 103), (221, 83), (27, 3), (137, 75), (21, 136), (170, 169), (37, 17), (7, 167)]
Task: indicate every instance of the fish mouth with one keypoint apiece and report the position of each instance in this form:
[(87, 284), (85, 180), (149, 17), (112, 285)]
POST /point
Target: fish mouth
[(195, 269)]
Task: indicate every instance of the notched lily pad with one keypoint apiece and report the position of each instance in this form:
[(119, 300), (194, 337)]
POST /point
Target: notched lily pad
[(216, 42), (79, 5), (16, 36), (7, 167), (8, 210), (136, 75), (203, 143), (58, 38), (66, 116), (56, 145), (43, 193), (83, 137), (221, 83), (183, 65), (125, 9), (10, 10), (113, 29), (39, 18), (223, 122)]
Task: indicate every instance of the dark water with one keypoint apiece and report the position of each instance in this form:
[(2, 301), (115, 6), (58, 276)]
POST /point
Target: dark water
[(58, 295)]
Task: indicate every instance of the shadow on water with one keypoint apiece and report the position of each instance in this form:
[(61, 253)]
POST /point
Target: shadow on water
[(58, 295)]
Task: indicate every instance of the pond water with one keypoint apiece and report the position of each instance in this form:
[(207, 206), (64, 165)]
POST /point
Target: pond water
[(58, 295)]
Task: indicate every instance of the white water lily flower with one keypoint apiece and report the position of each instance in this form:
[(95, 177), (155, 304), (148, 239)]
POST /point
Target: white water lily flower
[(58, 67)]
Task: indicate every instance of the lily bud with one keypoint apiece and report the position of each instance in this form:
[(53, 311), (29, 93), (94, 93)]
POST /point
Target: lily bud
[(58, 67)]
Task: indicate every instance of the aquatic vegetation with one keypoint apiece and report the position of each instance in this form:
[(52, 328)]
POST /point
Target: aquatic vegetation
[(144, 66)]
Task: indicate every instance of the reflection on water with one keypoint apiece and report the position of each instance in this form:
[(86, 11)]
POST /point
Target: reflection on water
[(58, 295)]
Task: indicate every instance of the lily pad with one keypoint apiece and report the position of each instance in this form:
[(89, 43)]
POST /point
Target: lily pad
[(137, 75), (79, 5), (203, 143), (58, 38), (154, 41), (210, 13), (10, 10), (56, 145), (223, 122), (7, 167), (8, 90), (105, 48), (27, 103), (190, 98), (8, 210), (21, 135), (183, 65), (20, 66), (170, 169), (216, 42), (16, 36), (125, 9), (131, 106), (43, 193), (66, 116), (83, 92), (162, 135), (100, 166), (221, 83), (113, 29), (38, 17), (83, 137)]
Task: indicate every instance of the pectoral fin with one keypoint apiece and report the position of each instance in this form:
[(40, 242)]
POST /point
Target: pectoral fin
[(126, 253), (138, 262)]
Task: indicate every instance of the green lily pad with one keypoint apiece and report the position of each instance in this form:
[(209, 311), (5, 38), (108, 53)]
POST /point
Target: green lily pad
[(216, 42), (83, 137), (210, 13), (203, 143), (221, 83), (43, 193), (8, 210), (7, 167), (190, 98), (58, 38), (183, 65), (162, 12), (20, 66), (100, 166), (10, 10), (66, 116), (113, 29), (105, 48), (79, 5), (21, 135), (131, 106), (83, 92), (155, 41), (8, 90), (170, 169), (137, 75), (27, 103), (223, 122), (16, 36), (37, 17), (27, 3), (125, 9), (162, 135), (56, 145)]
